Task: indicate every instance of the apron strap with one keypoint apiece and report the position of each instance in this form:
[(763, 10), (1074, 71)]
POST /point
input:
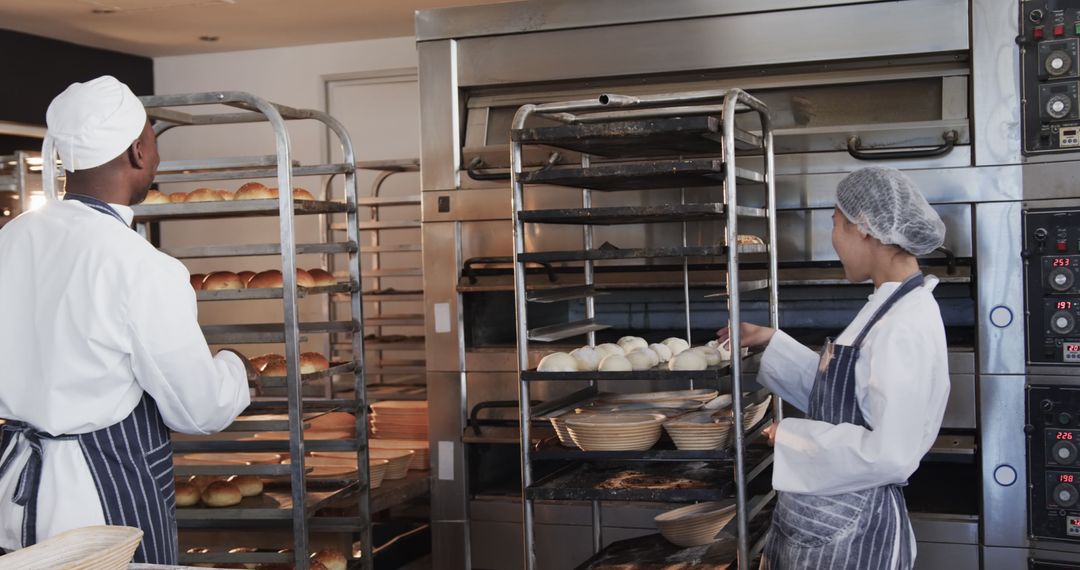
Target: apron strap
[(95, 204), (909, 285), (26, 491)]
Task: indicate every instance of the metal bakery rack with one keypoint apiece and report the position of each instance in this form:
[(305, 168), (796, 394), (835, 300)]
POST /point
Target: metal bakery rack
[(299, 507), (20, 174), (685, 141), (396, 368)]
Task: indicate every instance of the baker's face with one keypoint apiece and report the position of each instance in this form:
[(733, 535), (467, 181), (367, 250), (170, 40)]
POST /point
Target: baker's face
[(853, 248)]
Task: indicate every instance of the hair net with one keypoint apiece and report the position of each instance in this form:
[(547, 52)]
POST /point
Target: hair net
[(887, 205)]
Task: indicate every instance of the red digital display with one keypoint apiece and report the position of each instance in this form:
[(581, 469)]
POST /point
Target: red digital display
[(1065, 478), (1064, 305), (1072, 348), (1074, 521), (1064, 435), (1060, 262)]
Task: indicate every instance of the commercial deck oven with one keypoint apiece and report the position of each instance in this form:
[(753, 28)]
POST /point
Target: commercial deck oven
[(976, 100)]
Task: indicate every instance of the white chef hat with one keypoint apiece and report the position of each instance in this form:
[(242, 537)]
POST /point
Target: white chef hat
[(90, 124)]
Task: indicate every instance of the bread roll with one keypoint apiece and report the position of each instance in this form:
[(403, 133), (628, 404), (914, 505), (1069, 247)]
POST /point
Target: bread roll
[(608, 349), (304, 279), (557, 362), (322, 277), (312, 362), (221, 281), (688, 360), (711, 355), (331, 559), (317, 566), (629, 343), (249, 485), (242, 550), (662, 351), (245, 276), (638, 360), (226, 195), (587, 358), (275, 368), (197, 281), (203, 195), (615, 363), (155, 197), (301, 194), (178, 197), (266, 280), (253, 191), (201, 482), (187, 495), (676, 345), (259, 362), (221, 494)]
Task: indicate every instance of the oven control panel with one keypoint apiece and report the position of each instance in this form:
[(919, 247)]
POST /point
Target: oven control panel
[(1050, 75), (1054, 461), (1052, 280)]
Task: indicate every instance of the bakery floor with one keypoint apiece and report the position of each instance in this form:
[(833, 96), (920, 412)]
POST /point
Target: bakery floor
[(422, 564)]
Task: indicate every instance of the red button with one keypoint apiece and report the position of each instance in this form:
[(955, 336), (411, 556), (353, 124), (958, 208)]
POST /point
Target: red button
[(1062, 246), (1059, 30), (1038, 33)]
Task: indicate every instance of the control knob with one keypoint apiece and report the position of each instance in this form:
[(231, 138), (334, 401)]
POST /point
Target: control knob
[(1061, 279), (1063, 452), (1062, 322), (1058, 106), (1035, 15), (1040, 234), (1057, 64), (1065, 495)]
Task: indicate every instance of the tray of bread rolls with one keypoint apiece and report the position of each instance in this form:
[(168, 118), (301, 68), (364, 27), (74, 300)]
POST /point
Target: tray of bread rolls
[(250, 199), (230, 286)]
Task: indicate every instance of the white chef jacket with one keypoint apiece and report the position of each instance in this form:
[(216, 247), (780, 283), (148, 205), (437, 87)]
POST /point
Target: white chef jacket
[(902, 386), (95, 316)]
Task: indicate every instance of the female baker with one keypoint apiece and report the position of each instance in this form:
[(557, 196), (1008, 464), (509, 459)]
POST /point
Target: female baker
[(873, 399)]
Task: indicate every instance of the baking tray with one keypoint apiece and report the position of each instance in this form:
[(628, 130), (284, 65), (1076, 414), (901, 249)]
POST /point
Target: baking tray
[(655, 174), (620, 215), (230, 209), (636, 138), (270, 293), (604, 254)]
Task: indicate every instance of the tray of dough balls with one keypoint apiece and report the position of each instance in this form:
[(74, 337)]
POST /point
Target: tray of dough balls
[(233, 286), (634, 358), (250, 199)]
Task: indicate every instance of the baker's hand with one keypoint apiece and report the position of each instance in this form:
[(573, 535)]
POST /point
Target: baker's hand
[(750, 335), (770, 433), (252, 373)]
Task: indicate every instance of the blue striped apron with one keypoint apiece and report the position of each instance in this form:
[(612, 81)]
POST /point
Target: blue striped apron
[(862, 530), (130, 463)]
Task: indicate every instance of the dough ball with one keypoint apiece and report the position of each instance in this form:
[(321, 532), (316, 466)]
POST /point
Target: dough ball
[(712, 357), (615, 363), (608, 349), (662, 351), (639, 360), (587, 358), (632, 343), (558, 362), (676, 345), (688, 360)]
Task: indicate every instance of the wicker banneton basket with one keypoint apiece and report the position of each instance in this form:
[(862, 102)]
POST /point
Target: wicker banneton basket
[(88, 548)]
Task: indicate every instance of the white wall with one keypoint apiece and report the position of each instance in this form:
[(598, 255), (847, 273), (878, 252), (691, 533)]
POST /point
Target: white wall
[(291, 76)]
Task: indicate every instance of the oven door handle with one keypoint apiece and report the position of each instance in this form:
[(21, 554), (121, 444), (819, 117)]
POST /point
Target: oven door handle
[(853, 144), (477, 163)]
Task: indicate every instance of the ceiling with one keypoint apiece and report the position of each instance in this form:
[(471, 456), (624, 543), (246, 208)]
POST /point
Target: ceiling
[(174, 27)]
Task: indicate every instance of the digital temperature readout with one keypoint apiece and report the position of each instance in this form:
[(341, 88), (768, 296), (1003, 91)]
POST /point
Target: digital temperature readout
[(1072, 348), (1066, 478), (1060, 262), (1072, 526), (1064, 305), (1067, 435)]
